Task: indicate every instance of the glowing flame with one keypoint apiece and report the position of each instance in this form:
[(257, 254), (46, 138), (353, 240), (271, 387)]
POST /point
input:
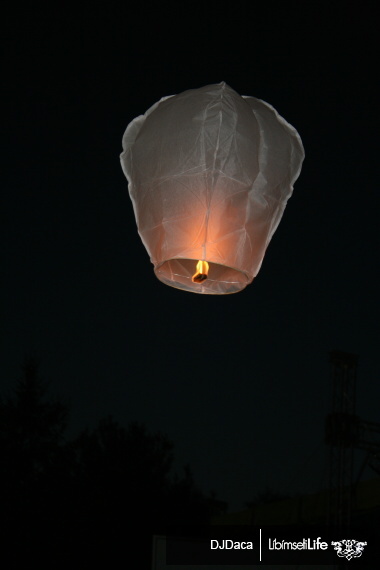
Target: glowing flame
[(202, 272)]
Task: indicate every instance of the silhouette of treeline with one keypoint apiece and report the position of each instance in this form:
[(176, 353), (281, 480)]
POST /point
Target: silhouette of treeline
[(96, 499)]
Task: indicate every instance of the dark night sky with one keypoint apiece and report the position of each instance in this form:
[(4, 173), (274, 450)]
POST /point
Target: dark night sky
[(239, 382)]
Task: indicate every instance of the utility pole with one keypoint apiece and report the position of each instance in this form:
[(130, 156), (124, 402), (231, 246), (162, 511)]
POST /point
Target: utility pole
[(340, 436), (344, 432)]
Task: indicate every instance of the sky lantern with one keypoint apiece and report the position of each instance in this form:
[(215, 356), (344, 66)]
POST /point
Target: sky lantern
[(209, 174)]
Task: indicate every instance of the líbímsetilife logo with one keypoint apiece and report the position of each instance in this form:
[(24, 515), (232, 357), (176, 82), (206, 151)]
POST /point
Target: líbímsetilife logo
[(349, 548), (305, 544)]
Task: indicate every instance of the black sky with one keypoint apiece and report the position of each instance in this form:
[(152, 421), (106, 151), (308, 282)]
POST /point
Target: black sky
[(239, 383)]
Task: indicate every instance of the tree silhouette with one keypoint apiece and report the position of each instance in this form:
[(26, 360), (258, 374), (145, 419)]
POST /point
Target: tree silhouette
[(32, 453), (99, 497), (31, 428), (125, 479)]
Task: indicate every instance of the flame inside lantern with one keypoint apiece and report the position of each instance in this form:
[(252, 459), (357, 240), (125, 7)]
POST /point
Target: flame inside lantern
[(201, 273)]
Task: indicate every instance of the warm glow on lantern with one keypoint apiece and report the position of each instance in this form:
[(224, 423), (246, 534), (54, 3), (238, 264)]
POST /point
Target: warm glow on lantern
[(202, 272)]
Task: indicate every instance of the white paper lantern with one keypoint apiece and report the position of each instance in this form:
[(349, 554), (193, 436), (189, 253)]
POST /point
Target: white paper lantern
[(209, 176)]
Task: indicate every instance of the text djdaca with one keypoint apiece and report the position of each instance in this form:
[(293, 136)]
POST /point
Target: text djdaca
[(228, 544)]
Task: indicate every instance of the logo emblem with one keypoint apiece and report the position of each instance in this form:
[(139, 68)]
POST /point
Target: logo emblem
[(349, 548)]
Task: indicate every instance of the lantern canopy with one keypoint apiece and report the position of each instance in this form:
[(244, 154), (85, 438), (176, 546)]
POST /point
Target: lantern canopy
[(209, 176)]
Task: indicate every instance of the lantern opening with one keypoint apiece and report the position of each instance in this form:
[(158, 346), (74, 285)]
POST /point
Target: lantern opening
[(202, 272), (219, 280)]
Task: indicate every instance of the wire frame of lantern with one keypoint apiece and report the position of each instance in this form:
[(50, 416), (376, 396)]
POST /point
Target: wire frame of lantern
[(209, 174)]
